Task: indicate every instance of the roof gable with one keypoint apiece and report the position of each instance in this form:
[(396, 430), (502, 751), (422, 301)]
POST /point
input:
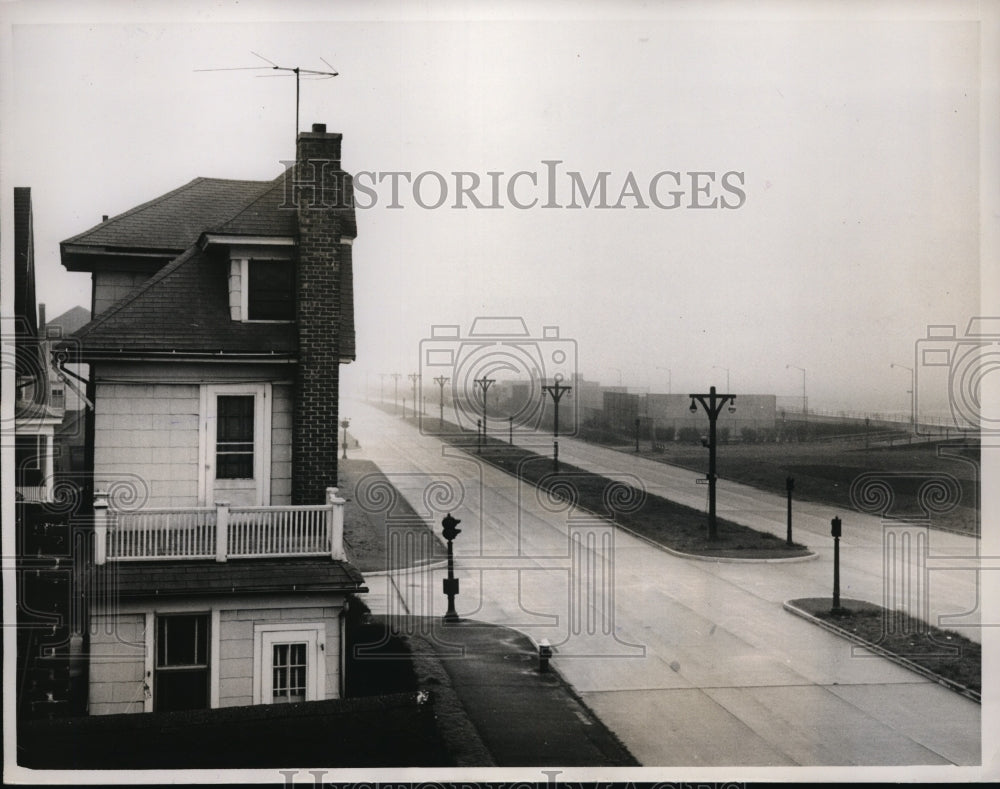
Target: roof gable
[(175, 220), (183, 308)]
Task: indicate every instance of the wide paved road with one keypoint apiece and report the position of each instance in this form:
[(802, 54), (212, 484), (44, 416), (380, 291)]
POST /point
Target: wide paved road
[(691, 663)]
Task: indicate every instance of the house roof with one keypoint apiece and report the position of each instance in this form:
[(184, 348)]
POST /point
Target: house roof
[(175, 220), (184, 578), (182, 309), (71, 320)]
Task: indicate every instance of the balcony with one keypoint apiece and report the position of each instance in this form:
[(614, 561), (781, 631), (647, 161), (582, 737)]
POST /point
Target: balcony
[(221, 532)]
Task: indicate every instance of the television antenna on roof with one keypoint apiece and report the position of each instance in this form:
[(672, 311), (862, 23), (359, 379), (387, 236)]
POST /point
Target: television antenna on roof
[(296, 70)]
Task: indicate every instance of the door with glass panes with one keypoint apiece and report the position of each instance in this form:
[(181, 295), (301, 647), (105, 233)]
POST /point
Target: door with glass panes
[(236, 439)]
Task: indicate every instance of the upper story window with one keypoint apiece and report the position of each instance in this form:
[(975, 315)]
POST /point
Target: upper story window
[(270, 290)]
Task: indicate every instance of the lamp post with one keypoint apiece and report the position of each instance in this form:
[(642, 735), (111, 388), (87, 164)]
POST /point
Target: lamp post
[(510, 419), (450, 531), (789, 486), (395, 391), (441, 381), (484, 384), (712, 403), (637, 423), (669, 377), (805, 402), (346, 423), (913, 408), (557, 390), (835, 529), (414, 379), (381, 387)]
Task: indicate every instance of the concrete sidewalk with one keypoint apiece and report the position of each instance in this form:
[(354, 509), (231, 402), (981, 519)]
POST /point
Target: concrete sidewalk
[(523, 717)]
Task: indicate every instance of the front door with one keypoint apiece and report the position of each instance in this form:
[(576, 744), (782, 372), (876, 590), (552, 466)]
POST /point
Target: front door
[(236, 440)]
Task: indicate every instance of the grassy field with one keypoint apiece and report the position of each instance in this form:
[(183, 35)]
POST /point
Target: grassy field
[(944, 653), (665, 522), (824, 472)]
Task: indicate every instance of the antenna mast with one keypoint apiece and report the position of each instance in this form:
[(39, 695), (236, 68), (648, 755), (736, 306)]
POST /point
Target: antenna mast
[(296, 70)]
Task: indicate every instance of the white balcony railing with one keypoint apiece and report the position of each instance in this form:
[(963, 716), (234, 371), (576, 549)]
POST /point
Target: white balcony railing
[(220, 532)]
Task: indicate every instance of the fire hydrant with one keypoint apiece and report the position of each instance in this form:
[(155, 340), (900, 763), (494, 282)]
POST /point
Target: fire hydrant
[(544, 654)]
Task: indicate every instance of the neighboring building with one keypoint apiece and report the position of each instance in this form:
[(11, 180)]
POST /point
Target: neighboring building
[(755, 412), (222, 312), (35, 416)]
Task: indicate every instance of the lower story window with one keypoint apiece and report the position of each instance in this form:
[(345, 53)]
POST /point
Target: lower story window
[(288, 668), (181, 681)]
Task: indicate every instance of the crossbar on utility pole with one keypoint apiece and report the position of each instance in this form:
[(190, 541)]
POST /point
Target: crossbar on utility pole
[(484, 383), (712, 403), (557, 390)]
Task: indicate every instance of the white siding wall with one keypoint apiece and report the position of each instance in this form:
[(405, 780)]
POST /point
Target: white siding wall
[(281, 444), (149, 430), (236, 648), (117, 663), (117, 658)]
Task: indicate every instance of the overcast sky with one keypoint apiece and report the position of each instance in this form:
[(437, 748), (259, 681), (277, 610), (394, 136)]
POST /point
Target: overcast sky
[(856, 145)]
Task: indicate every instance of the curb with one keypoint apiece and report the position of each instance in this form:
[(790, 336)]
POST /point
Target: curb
[(897, 659), (721, 559)]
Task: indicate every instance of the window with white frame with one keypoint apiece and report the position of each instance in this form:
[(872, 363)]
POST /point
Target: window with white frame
[(288, 662)]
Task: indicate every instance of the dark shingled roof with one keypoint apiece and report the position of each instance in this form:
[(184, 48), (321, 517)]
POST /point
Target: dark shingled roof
[(268, 214), (174, 220), (184, 307), (137, 579)]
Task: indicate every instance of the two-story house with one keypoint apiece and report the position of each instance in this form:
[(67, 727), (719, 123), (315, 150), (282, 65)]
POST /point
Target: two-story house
[(222, 313), (36, 416)]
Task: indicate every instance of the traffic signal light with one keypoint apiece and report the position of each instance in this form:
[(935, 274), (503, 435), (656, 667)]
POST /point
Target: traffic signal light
[(450, 525)]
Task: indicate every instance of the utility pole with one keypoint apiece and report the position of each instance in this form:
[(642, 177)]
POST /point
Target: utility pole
[(712, 403), (484, 383), (441, 381), (557, 390)]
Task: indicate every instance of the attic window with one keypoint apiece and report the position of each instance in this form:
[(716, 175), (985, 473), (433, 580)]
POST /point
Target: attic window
[(270, 290)]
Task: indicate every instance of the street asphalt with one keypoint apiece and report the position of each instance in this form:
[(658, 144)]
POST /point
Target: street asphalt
[(690, 663)]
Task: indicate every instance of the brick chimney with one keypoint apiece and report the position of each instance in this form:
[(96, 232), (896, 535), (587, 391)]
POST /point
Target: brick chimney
[(325, 310)]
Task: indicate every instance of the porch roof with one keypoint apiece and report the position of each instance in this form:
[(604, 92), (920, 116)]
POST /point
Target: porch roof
[(193, 577)]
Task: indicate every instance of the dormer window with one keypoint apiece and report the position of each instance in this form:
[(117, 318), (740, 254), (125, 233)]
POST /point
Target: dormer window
[(270, 290), (262, 289)]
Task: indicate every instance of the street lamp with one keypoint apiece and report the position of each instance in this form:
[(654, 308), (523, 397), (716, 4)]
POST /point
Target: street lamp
[(484, 384), (805, 403), (557, 390), (395, 391), (441, 381), (712, 403), (414, 377), (669, 376), (346, 423), (913, 407)]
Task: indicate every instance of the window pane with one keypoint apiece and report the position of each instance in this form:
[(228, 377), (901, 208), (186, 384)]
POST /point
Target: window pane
[(234, 437), (182, 641), (288, 673), (270, 293), (181, 679)]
